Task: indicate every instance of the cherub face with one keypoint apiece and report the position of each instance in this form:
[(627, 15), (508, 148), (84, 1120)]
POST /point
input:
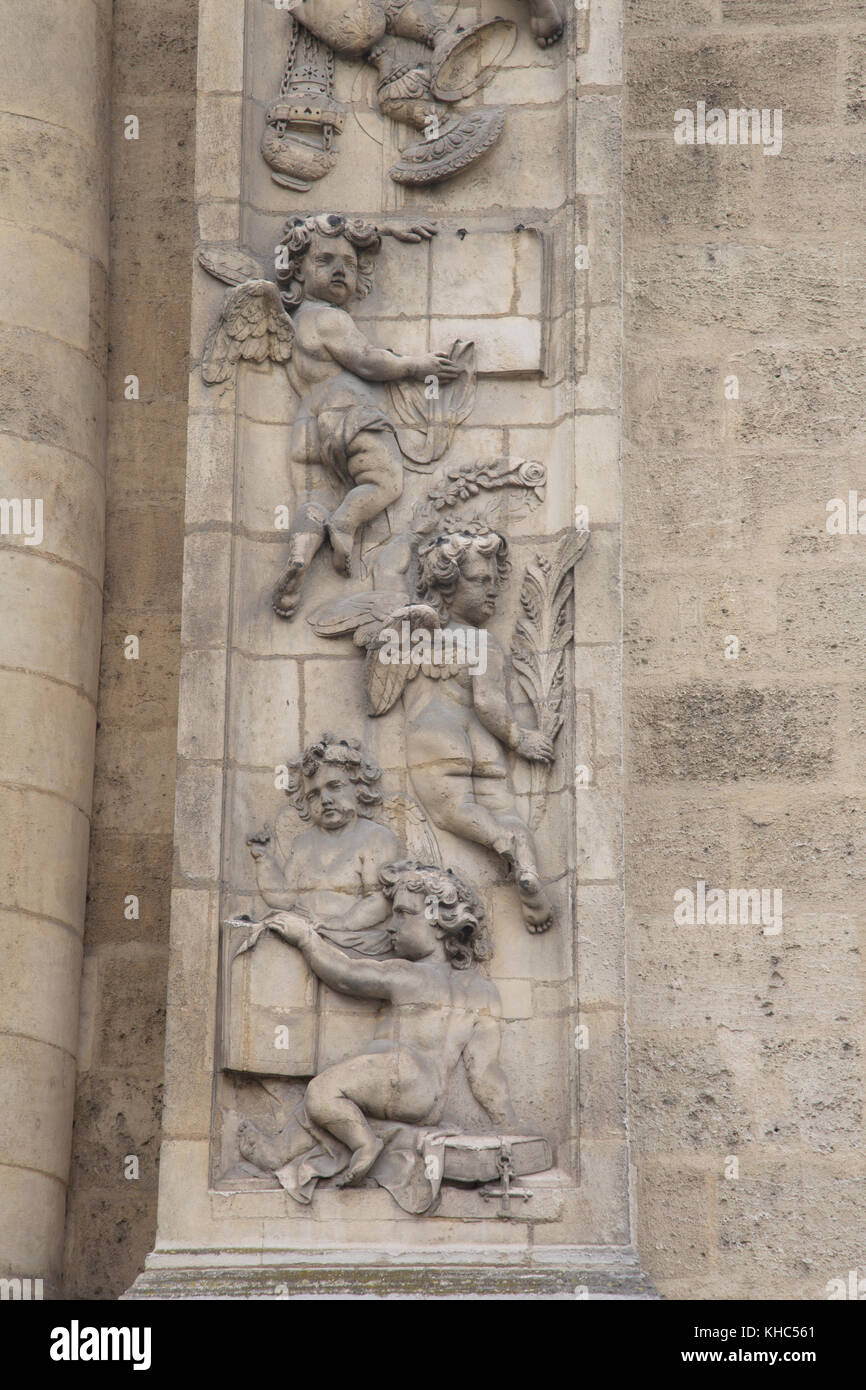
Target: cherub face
[(329, 271), (474, 598), (330, 797), (412, 936)]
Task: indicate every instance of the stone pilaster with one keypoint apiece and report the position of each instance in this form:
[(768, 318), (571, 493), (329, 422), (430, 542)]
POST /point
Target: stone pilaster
[(54, 244)]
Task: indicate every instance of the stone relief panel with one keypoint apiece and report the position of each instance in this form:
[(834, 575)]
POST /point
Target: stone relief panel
[(394, 366), (300, 141)]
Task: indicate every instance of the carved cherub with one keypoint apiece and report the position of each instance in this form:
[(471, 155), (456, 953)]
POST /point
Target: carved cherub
[(440, 1010), (459, 721), (326, 261), (333, 868)]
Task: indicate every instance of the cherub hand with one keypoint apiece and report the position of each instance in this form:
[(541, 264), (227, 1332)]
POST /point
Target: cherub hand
[(259, 843), (419, 231), (535, 746), (291, 926), (437, 364)]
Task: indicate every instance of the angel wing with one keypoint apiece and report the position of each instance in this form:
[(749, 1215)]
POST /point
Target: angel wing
[(375, 619), (229, 264), (252, 327)]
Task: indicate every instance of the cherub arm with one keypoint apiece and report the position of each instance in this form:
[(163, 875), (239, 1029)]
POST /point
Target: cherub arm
[(273, 878), (491, 704), (487, 1080), (347, 345), (416, 231), (369, 911), (371, 979)]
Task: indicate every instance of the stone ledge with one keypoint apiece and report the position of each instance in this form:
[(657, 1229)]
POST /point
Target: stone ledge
[(615, 1277)]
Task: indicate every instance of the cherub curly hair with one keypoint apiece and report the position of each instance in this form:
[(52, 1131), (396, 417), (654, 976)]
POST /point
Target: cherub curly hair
[(450, 906), (440, 559), (343, 752), (298, 238)]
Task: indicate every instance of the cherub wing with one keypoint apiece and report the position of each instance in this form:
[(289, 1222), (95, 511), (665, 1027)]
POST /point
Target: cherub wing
[(252, 327), (229, 264), (362, 615), (376, 620)]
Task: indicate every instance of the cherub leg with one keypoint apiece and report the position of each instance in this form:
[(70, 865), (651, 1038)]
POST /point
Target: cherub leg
[(414, 19), (545, 22), (305, 537), (446, 792), (495, 795), (535, 905), (349, 26), (386, 1085), (375, 465)]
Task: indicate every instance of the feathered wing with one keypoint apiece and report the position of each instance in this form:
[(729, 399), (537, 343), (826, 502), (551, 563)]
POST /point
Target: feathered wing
[(362, 615), (229, 264), (371, 618), (252, 327)]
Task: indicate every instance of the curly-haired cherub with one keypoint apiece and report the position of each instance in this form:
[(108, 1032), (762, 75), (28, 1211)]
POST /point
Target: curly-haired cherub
[(333, 869), (438, 1009), (459, 720), (303, 321)]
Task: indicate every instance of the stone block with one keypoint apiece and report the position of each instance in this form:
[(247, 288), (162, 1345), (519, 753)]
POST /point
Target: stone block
[(37, 1088), (705, 732), (48, 886)]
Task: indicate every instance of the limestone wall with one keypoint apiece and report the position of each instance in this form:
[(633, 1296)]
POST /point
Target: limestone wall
[(111, 1217), (745, 771), (742, 772)]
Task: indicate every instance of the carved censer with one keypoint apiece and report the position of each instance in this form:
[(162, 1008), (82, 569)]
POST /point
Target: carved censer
[(299, 140)]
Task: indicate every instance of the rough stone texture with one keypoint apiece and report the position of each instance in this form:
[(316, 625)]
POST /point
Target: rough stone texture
[(741, 1045), (53, 180), (481, 276), (111, 1218), (744, 772)]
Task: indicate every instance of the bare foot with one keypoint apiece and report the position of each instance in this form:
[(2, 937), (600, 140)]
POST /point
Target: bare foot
[(361, 1163), (341, 546), (287, 592), (266, 1151), (546, 22), (534, 903)]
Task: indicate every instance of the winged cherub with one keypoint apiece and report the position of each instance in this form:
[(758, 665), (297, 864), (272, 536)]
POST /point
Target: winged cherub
[(302, 321), (459, 721)]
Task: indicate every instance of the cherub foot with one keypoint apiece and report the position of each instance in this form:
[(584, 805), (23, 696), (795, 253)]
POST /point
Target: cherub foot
[(545, 22), (341, 548), (267, 1151), (361, 1162), (287, 592), (534, 904)]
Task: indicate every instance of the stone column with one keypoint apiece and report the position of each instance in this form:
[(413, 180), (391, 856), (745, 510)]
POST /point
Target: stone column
[(54, 244)]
